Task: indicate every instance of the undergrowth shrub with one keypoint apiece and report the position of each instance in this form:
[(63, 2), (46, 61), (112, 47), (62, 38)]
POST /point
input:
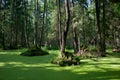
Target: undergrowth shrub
[(34, 52), (66, 60)]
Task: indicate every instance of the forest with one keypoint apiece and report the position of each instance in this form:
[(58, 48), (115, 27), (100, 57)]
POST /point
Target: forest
[(59, 36)]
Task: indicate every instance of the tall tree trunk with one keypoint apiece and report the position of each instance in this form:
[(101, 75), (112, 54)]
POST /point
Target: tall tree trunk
[(94, 37), (59, 21), (75, 37), (60, 28), (25, 25), (3, 33), (103, 30), (99, 44), (43, 25), (15, 25), (23, 35), (2, 26), (0, 21), (11, 26), (36, 23), (83, 27), (66, 28)]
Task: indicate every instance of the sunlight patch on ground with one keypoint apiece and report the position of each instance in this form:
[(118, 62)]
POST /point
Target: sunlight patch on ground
[(20, 64), (9, 53), (2, 64)]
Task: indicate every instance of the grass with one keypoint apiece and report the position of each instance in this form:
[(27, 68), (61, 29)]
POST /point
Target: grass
[(16, 67)]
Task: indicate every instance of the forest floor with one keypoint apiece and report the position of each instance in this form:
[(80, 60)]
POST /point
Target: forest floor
[(16, 67)]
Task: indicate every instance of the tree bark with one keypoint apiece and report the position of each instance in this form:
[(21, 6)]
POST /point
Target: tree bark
[(59, 18), (3, 33), (99, 44), (25, 25), (66, 28), (11, 26), (0, 21), (75, 37), (103, 30), (36, 24), (43, 25)]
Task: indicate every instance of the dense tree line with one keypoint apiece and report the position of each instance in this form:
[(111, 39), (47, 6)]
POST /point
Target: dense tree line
[(64, 24)]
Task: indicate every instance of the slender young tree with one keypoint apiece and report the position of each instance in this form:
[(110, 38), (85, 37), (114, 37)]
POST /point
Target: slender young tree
[(75, 38), (43, 24), (0, 20), (2, 17), (25, 24), (15, 24), (12, 23), (66, 28), (59, 20), (36, 23)]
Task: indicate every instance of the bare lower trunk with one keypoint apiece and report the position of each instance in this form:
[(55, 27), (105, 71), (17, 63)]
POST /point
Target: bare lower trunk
[(99, 44), (43, 25), (64, 35), (103, 32), (75, 37), (11, 25), (36, 24), (59, 19)]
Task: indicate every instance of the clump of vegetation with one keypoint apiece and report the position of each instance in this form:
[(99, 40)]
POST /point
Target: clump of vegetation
[(89, 52), (68, 60), (34, 52), (116, 50)]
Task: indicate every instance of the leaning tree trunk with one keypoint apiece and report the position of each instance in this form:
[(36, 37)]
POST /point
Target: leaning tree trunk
[(66, 28), (75, 38)]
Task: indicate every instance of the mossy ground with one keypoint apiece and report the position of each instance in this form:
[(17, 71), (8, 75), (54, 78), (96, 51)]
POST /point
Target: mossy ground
[(16, 67)]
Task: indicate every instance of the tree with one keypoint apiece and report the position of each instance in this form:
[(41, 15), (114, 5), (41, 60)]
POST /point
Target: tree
[(2, 17), (59, 20), (36, 23), (97, 6), (25, 35), (103, 30), (0, 22), (75, 38), (66, 28), (43, 23)]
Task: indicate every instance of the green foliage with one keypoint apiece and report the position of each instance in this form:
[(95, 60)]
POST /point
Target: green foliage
[(117, 9), (67, 60), (92, 48), (88, 54)]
